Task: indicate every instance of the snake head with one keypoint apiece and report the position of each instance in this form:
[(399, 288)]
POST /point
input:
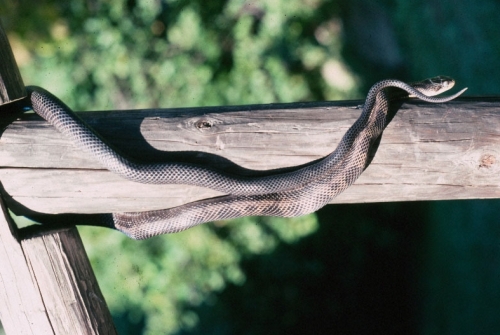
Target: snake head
[(436, 85)]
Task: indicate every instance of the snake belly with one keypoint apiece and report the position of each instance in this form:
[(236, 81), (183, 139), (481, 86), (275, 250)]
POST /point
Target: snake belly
[(288, 194)]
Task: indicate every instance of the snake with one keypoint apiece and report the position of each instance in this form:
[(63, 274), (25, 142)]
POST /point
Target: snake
[(287, 194)]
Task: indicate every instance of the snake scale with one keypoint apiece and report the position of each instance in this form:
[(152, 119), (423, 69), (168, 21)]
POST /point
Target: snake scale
[(289, 194)]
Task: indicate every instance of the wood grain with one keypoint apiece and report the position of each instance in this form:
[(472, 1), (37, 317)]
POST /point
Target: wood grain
[(428, 152), (62, 271), (46, 283), (21, 309), (11, 84)]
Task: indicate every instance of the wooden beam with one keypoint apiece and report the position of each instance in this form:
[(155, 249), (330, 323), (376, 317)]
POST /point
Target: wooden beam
[(46, 282), (428, 152)]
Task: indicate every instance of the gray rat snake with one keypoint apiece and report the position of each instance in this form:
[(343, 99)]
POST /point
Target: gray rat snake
[(289, 194)]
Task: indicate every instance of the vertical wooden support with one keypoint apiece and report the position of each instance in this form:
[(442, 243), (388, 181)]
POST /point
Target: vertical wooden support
[(62, 273), (47, 285), (21, 309), (11, 83)]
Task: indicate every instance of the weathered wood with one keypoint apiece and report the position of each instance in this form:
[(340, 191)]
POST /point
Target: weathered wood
[(69, 289), (47, 285), (21, 309), (428, 152), (11, 84), (46, 282)]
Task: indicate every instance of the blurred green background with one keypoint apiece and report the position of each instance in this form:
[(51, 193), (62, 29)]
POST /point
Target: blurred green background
[(413, 268)]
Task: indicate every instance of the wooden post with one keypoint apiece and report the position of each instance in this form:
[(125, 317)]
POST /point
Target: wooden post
[(46, 282), (11, 83), (22, 310)]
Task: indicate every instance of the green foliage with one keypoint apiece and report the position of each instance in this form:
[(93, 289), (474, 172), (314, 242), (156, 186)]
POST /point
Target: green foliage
[(174, 53), (138, 54), (163, 278), (362, 272), (463, 43)]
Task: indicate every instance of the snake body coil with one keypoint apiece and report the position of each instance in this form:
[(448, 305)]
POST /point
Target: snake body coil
[(288, 194)]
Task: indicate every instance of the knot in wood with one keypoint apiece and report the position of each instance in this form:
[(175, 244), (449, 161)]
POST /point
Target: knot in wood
[(487, 161), (203, 124)]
